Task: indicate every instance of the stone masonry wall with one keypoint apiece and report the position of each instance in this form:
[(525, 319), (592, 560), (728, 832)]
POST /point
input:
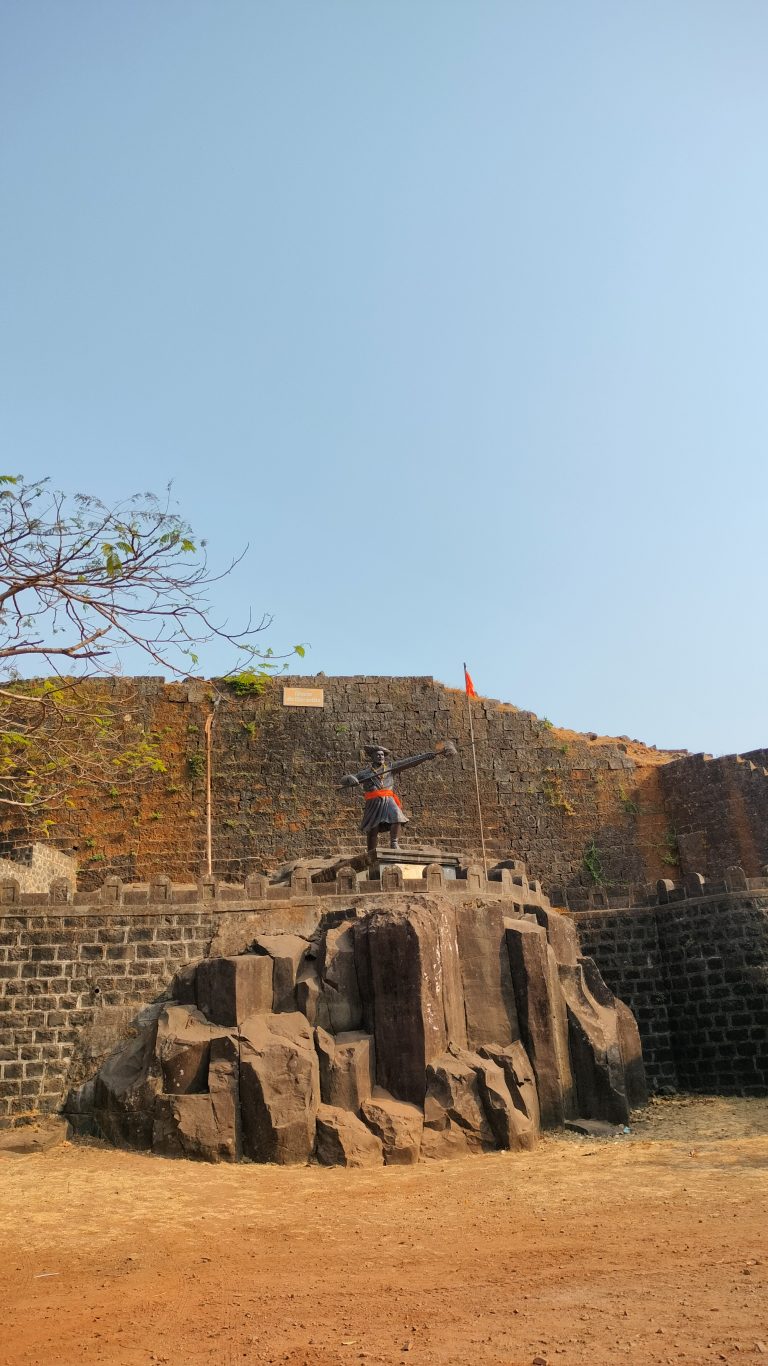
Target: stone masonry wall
[(625, 945), (35, 866), (554, 799), (69, 984), (75, 969), (718, 811), (579, 810), (696, 975), (694, 972), (716, 960)]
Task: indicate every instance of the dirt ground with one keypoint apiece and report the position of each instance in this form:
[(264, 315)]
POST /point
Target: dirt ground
[(648, 1248)]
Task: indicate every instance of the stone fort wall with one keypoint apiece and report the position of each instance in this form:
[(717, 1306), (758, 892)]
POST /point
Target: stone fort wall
[(75, 970), (695, 974), (75, 967), (579, 810)]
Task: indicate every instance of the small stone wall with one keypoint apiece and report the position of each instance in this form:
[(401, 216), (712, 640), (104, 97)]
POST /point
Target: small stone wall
[(695, 974), (35, 866), (69, 984), (625, 945)]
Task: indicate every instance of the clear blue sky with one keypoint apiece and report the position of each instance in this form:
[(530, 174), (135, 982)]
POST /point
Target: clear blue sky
[(456, 312)]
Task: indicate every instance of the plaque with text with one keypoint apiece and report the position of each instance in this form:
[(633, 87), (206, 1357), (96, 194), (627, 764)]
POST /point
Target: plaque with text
[(303, 697)]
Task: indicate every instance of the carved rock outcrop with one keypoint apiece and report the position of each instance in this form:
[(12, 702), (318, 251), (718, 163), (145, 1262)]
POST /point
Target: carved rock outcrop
[(412, 959), (398, 1124), (347, 1068), (203, 1125), (279, 1087), (344, 1141), (230, 989), (407, 1028), (543, 1018)]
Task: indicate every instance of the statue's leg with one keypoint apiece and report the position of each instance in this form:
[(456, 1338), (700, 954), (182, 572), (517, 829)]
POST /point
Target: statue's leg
[(373, 836), (394, 831)]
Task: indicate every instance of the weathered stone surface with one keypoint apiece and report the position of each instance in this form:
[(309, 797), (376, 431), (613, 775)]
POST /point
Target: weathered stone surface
[(438, 1145), (413, 991), (631, 1056), (310, 997), (595, 1051), (561, 934), (344, 1141), (560, 1034), (398, 1124), (204, 1126), (229, 990), (183, 1049), (363, 972), (454, 1098), (79, 1108), (489, 998), (630, 1047), (595, 983), (279, 1087), (521, 1084), (452, 987), (230, 1083), (336, 966), (542, 1015), (236, 932), (347, 1068), (511, 1107), (125, 1091), (185, 1126), (497, 1102), (184, 985), (499, 1120), (287, 952)]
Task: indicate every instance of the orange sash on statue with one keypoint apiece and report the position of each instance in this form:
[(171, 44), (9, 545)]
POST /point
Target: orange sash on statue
[(383, 792)]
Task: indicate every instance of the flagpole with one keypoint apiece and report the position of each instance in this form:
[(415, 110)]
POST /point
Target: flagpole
[(477, 780)]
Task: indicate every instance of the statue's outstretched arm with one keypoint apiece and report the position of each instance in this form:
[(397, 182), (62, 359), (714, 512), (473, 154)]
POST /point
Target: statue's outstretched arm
[(442, 751), (413, 760)]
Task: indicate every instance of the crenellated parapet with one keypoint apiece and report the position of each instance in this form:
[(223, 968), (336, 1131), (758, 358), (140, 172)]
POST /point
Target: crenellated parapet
[(664, 892), (460, 880), (509, 881)]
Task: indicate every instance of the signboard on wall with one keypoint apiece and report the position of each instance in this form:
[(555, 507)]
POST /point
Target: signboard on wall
[(303, 697)]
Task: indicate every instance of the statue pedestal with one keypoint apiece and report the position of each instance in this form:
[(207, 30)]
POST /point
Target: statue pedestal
[(412, 863)]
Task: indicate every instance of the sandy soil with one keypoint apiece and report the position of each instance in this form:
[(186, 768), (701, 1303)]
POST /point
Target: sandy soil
[(644, 1249)]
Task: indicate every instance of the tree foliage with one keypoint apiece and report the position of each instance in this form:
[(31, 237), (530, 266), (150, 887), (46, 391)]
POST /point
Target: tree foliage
[(81, 582)]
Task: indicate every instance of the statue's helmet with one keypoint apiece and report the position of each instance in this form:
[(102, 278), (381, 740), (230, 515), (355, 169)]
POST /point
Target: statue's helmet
[(373, 750)]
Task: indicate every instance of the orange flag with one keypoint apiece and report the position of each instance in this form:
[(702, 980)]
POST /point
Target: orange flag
[(469, 686)]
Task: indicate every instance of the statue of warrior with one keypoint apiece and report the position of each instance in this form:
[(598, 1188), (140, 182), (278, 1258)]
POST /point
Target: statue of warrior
[(383, 810)]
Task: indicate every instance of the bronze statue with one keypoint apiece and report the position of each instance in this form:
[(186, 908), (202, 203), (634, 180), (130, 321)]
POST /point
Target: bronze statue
[(382, 810)]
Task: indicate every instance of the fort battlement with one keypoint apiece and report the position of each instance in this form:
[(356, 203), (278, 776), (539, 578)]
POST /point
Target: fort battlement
[(664, 892), (258, 892)]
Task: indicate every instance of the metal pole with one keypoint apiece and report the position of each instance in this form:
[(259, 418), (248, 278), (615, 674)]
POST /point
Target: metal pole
[(477, 781), (209, 720)]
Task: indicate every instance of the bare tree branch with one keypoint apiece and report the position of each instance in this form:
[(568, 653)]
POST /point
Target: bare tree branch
[(81, 582)]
